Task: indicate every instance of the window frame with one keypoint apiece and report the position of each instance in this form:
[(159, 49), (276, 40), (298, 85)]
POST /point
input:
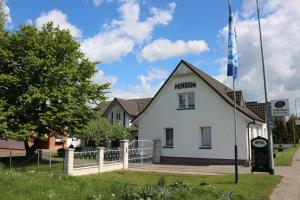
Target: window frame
[(186, 100), (201, 138)]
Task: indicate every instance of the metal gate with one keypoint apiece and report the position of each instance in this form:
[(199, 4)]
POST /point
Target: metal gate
[(140, 152)]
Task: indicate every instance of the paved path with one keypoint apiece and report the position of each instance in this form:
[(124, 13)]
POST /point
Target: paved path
[(289, 187), (187, 169)]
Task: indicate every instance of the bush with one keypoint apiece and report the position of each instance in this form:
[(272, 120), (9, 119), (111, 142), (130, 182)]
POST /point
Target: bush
[(180, 184), (161, 181), (149, 192), (60, 152), (128, 193)]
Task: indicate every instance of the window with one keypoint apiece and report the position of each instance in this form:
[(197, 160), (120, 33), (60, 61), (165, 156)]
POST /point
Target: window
[(191, 100), (205, 137), (182, 103), (169, 137), (112, 118), (186, 100), (118, 116)]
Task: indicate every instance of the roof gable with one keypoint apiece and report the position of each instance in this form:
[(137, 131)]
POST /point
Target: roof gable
[(132, 107), (222, 90)]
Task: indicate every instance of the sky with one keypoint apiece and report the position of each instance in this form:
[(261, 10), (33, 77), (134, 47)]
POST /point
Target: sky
[(140, 42)]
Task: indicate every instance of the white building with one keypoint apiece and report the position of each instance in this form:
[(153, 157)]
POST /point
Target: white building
[(122, 111), (192, 116)]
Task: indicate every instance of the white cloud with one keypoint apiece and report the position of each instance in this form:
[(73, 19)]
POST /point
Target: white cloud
[(59, 19), (120, 36), (148, 85), (29, 22), (6, 11), (164, 48), (97, 3), (107, 47), (280, 30), (101, 78)]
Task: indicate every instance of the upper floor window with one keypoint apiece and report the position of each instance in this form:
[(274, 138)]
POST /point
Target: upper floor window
[(112, 118), (186, 100), (118, 116)]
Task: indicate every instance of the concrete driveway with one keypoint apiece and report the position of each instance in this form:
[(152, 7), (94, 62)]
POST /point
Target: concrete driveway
[(187, 169)]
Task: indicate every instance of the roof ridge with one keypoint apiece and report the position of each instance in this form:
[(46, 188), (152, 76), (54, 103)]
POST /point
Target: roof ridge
[(214, 84)]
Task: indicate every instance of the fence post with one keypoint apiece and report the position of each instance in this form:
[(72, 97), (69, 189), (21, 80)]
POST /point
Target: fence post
[(124, 149), (156, 151), (100, 158), (69, 161)]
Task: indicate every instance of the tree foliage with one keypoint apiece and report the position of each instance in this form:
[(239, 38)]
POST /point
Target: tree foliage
[(45, 83), (99, 130), (291, 126), (280, 132)]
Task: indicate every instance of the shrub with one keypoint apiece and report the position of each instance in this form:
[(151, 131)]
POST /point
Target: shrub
[(149, 192), (60, 152), (180, 184), (161, 181), (227, 195), (128, 193)]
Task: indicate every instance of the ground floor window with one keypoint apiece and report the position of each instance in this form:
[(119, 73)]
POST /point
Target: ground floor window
[(169, 137), (205, 137)]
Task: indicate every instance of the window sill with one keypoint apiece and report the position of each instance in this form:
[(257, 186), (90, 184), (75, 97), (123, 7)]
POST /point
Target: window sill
[(185, 108), (168, 147), (203, 147)]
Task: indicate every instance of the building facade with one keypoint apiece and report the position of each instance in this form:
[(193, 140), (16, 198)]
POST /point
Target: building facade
[(192, 116), (122, 111)]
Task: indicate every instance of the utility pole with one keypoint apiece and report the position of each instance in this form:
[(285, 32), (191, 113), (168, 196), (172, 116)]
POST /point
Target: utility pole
[(268, 105)]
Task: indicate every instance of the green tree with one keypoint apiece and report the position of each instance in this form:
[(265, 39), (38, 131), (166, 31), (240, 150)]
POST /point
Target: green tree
[(280, 132), (100, 130), (290, 126), (45, 83)]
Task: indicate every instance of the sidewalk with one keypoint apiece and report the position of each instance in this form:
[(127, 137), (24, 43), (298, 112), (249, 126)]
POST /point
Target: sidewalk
[(289, 187), (187, 169)]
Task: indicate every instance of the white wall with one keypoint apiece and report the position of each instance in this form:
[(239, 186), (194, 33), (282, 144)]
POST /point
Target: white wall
[(210, 110), (116, 108)]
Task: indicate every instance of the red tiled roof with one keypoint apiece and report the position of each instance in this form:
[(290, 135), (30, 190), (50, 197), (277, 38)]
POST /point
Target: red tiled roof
[(11, 144)]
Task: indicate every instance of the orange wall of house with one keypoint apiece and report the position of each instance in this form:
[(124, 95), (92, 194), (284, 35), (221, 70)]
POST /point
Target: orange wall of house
[(53, 146)]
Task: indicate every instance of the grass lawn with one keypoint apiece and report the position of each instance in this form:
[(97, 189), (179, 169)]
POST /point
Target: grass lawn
[(31, 185), (285, 157)]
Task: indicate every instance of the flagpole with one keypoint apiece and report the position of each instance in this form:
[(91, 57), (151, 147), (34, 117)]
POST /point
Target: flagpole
[(268, 106), (232, 71), (235, 143)]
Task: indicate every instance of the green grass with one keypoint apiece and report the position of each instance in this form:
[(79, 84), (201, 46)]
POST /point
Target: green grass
[(285, 157), (31, 185)]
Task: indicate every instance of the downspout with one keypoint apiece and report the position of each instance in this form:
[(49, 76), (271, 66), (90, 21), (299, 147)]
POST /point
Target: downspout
[(248, 127)]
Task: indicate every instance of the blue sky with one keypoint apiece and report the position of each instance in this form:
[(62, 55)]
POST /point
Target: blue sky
[(140, 41)]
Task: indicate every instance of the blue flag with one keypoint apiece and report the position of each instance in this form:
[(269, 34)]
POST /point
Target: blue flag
[(232, 49)]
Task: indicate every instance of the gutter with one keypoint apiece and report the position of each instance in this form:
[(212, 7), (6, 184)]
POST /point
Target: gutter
[(248, 127)]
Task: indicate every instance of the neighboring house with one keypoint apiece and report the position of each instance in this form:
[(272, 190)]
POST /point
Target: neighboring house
[(122, 111), (192, 116), (54, 142), (11, 147), (10, 144)]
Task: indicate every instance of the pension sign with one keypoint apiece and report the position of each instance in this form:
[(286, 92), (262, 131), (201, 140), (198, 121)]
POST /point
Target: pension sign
[(184, 85), (280, 107)]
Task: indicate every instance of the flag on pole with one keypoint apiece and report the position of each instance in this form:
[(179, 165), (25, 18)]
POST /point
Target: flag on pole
[(232, 49)]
